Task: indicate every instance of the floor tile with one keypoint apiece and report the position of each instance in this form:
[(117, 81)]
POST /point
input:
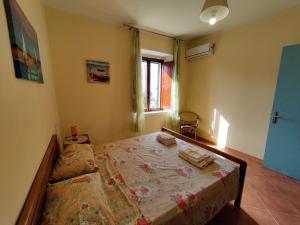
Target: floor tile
[(260, 216), (273, 200), (269, 198), (285, 185), (296, 204), (261, 183), (254, 171), (251, 198), (286, 219), (271, 173)]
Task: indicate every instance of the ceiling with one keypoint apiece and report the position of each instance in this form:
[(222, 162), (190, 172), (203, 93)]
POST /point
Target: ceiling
[(172, 17)]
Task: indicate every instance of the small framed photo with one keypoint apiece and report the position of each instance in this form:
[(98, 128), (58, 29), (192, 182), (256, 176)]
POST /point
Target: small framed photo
[(97, 71)]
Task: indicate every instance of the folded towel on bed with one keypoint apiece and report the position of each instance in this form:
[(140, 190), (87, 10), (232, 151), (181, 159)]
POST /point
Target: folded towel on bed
[(196, 157), (166, 139)]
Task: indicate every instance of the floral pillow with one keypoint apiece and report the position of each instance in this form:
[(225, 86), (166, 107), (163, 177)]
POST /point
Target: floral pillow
[(77, 201), (75, 160)]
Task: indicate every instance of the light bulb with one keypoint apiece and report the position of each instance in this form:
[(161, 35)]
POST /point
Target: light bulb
[(212, 21)]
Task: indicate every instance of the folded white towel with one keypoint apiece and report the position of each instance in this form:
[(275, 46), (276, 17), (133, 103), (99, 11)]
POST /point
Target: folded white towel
[(166, 139), (196, 157)]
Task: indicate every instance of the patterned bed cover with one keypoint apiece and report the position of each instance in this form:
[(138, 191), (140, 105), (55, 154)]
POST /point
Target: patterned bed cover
[(147, 183)]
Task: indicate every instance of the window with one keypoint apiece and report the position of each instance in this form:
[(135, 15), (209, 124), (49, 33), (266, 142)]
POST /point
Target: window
[(157, 80)]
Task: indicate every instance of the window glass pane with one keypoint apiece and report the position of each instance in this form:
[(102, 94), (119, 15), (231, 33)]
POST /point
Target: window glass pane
[(155, 84), (144, 82)]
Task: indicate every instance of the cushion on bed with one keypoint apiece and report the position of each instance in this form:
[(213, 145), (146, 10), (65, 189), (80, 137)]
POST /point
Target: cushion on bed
[(77, 201), (74, 161)]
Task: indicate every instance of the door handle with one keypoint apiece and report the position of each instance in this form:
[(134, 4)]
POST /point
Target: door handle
[(275, 117)]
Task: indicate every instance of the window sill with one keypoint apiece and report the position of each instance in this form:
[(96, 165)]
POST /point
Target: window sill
[(158, 111)]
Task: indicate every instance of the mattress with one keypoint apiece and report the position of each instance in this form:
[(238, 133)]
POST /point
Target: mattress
[(141, 175)]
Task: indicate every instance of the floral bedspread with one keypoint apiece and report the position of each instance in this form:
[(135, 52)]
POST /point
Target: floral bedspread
[(164, 188)]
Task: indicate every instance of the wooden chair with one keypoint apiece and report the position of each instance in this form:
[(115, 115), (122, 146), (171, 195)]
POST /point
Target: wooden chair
[(188, 123)]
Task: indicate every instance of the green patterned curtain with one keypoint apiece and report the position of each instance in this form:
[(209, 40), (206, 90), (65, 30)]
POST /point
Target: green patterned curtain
[(137, 93), (174, 114)]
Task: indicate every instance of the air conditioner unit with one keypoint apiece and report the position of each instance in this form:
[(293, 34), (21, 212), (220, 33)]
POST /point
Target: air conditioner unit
[(199, 51)]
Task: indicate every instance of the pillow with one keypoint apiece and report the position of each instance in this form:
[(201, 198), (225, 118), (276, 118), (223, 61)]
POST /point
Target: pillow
[(75, 160), (77, 201)]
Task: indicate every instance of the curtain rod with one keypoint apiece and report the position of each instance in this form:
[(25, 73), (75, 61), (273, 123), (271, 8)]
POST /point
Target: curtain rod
[(131, 27)]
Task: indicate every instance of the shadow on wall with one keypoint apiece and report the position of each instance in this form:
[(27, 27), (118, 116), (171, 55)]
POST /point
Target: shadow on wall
[(219, 129)]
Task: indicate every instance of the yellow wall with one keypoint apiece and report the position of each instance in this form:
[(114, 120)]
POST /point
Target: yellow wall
[(27, 116), (156, 42), (102, 110), (239, 80)]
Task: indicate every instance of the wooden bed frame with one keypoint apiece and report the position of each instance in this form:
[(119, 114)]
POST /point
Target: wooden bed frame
[(34, 203), (242, 163)]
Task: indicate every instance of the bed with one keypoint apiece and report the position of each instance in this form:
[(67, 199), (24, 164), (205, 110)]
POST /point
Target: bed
[(160, 187)]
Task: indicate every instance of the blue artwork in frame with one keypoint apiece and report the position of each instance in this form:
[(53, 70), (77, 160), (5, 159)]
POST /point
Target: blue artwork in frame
[(24, 44)]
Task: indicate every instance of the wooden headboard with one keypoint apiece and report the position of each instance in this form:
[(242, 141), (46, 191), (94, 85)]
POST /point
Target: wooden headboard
[(34, 203)]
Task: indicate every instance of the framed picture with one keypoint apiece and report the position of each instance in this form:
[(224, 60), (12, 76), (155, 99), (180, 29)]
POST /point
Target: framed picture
[(24, 43), (97, 71)]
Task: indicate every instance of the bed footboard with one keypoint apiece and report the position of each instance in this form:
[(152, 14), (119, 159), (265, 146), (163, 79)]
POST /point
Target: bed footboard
[(242, 163)]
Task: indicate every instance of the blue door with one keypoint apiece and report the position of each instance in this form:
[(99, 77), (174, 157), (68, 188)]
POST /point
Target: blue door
[(283, 144)]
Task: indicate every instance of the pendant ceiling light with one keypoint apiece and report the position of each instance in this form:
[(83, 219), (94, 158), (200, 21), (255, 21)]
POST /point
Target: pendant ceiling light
[(214, 11)]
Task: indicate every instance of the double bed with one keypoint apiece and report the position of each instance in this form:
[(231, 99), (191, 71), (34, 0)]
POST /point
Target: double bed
[(146, 182)]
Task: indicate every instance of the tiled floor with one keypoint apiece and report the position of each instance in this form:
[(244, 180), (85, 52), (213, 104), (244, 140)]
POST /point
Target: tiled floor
[(269, 198)]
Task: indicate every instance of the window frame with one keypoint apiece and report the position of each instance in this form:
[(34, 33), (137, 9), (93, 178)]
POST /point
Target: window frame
[(148, 60)]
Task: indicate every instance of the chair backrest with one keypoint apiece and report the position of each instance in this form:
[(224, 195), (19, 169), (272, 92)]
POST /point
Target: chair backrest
[(187, 117)]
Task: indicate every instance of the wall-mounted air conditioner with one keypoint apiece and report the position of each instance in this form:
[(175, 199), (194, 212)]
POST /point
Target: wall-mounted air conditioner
[(199, 51)]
